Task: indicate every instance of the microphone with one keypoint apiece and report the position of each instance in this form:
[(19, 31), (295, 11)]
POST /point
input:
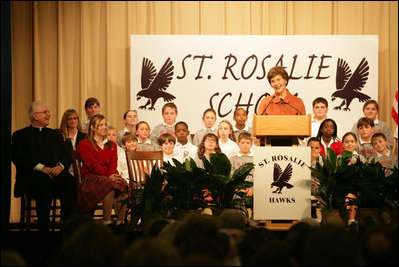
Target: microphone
[(268, 105), (282, 101)]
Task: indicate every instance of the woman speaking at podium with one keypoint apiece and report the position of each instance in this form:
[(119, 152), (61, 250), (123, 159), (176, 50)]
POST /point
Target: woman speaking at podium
[(282, 102)]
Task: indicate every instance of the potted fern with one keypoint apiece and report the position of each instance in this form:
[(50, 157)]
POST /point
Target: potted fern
[(334, 179)]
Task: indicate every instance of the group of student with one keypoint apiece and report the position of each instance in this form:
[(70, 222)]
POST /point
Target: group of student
[(369, 139)]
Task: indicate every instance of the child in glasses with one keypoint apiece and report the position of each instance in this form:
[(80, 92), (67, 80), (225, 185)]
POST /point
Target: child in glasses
[(208, 145)]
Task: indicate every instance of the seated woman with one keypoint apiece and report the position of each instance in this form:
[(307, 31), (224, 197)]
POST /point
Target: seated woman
[(100, 178), (71, 129)]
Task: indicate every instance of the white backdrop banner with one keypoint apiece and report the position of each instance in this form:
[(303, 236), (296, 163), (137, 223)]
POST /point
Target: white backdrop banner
[(282, 183), (227, 72)]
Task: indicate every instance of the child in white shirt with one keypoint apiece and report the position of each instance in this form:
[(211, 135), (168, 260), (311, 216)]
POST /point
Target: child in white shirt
[(183, 146)]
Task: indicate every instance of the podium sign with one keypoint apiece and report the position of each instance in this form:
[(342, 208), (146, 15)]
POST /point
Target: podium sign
[(282, 181)]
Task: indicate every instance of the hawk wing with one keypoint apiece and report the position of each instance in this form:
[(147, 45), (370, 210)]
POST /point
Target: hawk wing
[(148, 73), (286, 176), (164, 77), (343, 73), (359, 77), (277, 172)]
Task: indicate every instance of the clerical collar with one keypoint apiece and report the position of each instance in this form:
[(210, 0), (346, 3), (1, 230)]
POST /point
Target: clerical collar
[(39, 128)]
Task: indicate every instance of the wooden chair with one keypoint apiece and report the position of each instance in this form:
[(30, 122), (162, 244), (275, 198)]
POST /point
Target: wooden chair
[(28, 205), (140, 163)]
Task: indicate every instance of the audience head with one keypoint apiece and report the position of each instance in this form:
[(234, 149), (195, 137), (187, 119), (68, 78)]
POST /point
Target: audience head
[(182, 132), (349, 142), (91, 244), (39, 114), (225, 130), (380, 143), (151, 251), (332, 245), (328, 129), (209, 118), (92, 107), (129, 141), (320, 108), (199, 235), (370, 109), (169, 113), (232, 219)]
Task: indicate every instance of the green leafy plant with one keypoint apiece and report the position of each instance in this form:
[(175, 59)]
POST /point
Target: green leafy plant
[(372, 188), (334, 179), (226, 188), (149, 202), (391, 190), (185, 184)]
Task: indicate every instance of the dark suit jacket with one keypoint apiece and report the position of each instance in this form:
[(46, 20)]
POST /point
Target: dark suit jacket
[(79, 137), (31, 146)]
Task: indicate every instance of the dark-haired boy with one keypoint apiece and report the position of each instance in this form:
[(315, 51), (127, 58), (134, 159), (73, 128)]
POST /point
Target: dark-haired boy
[(365, 128), (183, 145)]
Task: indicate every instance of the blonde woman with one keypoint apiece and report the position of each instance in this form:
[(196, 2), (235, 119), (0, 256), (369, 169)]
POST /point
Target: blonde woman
[(71, 129), (100, 178)]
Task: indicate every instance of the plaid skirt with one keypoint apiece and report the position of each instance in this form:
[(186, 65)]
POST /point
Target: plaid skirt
[(94, 188)]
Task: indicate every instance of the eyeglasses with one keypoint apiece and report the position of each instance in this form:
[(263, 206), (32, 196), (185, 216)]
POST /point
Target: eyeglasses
[(72, 118), (210, 141), (44, 112)]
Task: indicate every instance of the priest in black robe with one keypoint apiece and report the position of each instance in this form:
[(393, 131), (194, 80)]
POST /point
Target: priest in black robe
[(42, 161)]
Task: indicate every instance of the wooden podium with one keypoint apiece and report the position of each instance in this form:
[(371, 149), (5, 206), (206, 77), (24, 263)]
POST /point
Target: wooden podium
[(281, 130)]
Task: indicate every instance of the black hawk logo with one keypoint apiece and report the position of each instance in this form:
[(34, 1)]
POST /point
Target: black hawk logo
[(280, 179), (153, 84), (348, 90)]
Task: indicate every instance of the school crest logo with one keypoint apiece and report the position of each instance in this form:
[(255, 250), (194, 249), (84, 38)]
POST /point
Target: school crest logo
[(155, 84), (348, 85), (280, 178)]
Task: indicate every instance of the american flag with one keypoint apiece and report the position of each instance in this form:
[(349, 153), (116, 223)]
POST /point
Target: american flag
[(395, 108)]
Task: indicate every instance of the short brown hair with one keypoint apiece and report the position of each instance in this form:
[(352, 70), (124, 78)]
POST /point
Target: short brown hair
[(244, 135), (371, 101), (166, 137), (277, 70), (169, 105), (364, 121), (376, 135), (128, 136), (91, 101)]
